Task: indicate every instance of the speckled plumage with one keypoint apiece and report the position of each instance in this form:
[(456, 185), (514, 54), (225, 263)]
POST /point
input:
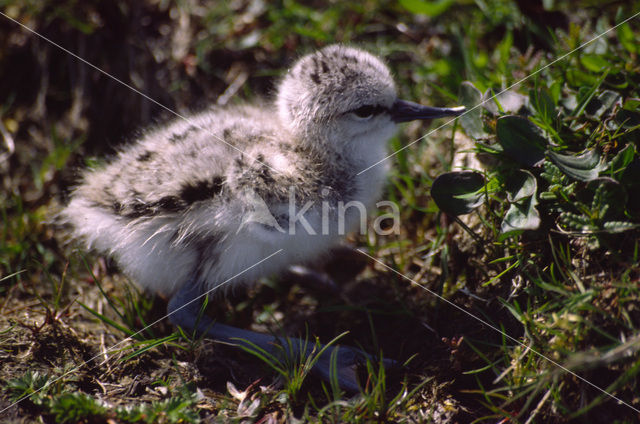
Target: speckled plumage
[(176, 209), (171, 204)]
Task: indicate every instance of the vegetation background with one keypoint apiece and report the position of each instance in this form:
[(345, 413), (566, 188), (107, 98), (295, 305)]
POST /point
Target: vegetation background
[(538, 238)]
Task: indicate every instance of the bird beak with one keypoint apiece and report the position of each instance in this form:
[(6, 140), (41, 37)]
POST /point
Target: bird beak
[(405, 111)]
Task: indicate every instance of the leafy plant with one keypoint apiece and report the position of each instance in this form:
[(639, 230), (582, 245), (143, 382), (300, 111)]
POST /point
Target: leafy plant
[(564, 167), (178, 408), (32, 385), (76, 407), (537, 174)]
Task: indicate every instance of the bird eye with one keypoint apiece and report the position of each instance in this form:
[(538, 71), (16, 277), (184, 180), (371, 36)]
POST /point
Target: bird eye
[(365, 112)]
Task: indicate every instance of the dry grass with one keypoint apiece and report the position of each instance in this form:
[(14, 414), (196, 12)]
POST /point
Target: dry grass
[(562, 297)]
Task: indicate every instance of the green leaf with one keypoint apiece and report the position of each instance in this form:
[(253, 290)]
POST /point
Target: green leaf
[(608, 196), (521, 216), (594, 62), (471, 121), (627, 38), (543, 103), (622, 159), (627, 118), (603, 103), (521, 184), (76, 407), (521, 139), (584, 167), (507, 102), (109, 321), (569, 221), (609, 98), (569, 101), (458, 192), (146, 345), (619, 78), (555, 90), (619, 226), (631, 104), (631, 181), (585, 94), (429, 8), (578, 78)]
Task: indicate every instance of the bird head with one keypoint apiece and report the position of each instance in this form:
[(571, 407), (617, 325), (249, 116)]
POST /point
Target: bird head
[(342, 95)]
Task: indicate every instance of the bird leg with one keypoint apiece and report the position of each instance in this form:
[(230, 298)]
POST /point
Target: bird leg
[(343, 263), (184, 311), (311, 278)]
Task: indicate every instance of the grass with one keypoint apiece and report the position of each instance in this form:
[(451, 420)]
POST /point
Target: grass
[(522, 212), (294, 368)]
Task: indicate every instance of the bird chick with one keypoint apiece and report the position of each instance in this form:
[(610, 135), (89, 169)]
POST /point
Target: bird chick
[(198, 202)]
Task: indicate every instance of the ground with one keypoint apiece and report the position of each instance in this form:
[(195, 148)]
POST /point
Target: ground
[(510, 293)]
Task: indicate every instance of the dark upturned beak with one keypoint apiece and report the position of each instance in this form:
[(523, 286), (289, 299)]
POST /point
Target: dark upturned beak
[(405, 111)]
